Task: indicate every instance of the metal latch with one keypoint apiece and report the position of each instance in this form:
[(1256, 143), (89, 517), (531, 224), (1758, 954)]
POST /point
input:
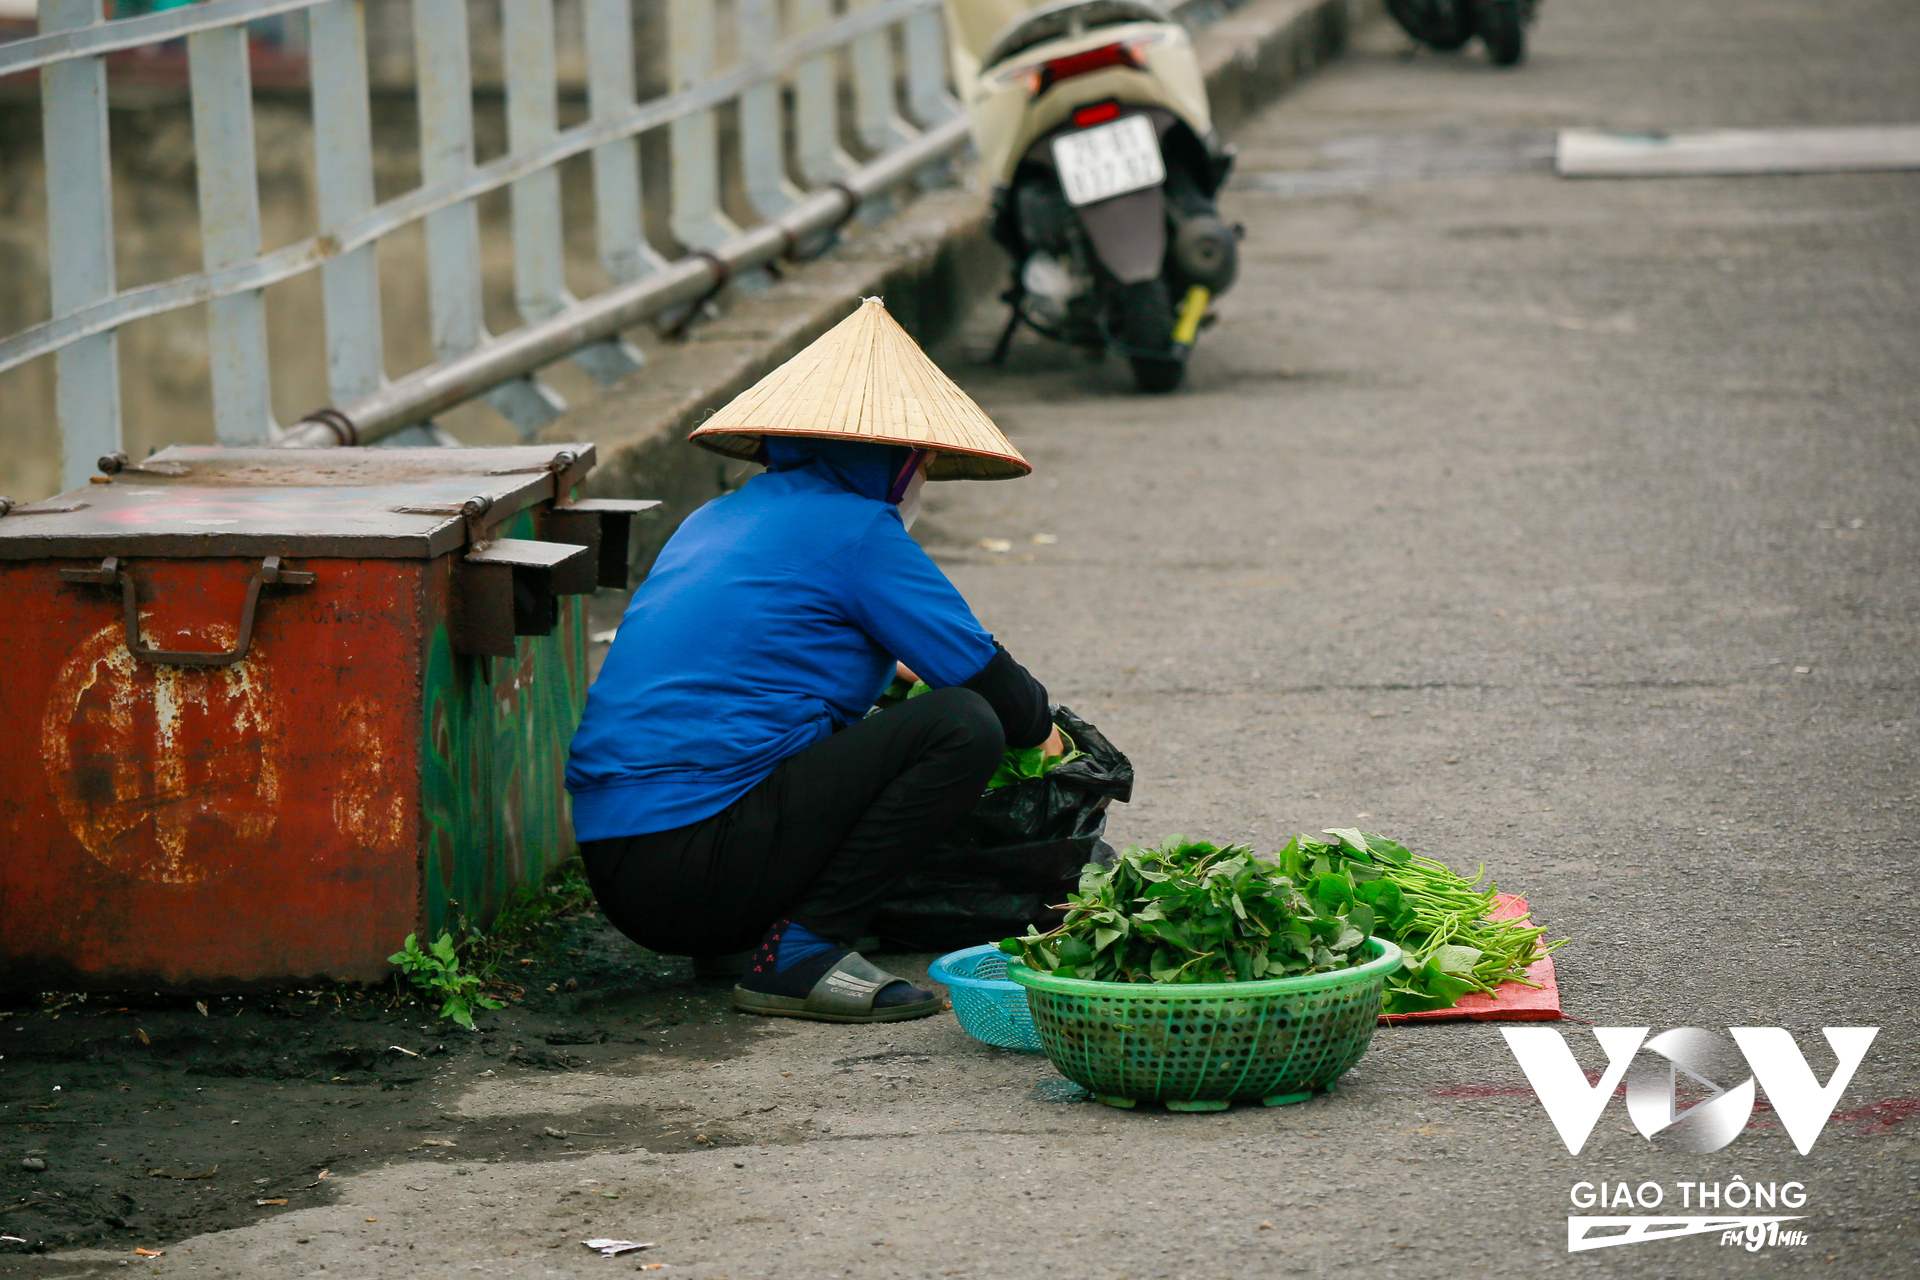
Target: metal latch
[(114, 463), (506, 588), (271, 572), (602, 525)]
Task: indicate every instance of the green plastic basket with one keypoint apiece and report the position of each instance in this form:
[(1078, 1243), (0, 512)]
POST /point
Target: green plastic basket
[(1202, 1046)]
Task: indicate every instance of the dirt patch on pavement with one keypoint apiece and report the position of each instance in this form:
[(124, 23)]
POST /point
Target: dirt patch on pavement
[(143, 1119)]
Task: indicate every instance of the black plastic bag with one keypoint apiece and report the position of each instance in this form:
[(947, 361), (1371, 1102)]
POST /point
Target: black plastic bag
[(1016, 857)]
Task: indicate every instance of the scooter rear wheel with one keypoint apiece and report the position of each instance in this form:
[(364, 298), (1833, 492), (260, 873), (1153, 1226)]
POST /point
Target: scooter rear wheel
[(1157, 376), (1502, 24), (1143, 323), (1444, 25)]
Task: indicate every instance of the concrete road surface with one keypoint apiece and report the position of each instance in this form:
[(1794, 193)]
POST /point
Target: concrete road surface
[(1568, 527)]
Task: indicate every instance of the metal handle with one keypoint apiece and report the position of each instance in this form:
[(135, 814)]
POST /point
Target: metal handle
[(110, 572)]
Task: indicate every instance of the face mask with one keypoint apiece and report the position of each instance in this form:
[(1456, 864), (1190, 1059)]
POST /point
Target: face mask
[(910, 500)]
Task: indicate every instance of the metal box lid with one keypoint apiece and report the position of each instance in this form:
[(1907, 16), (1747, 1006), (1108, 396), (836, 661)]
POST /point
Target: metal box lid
[(374, 503)]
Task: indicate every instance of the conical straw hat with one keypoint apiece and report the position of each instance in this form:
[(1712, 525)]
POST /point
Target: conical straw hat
[(865, 379)]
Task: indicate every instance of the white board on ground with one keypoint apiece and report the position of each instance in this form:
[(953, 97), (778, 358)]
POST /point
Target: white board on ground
[(1594, 153)]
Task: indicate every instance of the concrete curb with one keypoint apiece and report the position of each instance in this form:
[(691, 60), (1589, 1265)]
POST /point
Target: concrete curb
[(931, 262)]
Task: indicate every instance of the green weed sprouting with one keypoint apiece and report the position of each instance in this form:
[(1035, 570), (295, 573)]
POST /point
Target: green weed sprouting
[(437, 972), (468, 958), (520, 923)]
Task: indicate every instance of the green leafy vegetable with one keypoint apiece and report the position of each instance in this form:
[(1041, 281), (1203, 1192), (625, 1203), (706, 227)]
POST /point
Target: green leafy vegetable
[(1189, 911), (1021, 763), (1439, 918)]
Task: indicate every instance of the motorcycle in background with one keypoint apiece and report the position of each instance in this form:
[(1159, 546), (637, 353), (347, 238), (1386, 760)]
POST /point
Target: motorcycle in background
[(1092, 124), (1447, 25)]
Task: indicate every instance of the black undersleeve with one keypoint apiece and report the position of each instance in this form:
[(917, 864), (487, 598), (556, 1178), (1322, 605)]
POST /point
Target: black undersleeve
[(1016, 697)]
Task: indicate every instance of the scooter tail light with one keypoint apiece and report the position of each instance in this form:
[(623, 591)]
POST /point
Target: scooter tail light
[(1090, 60), (1098, 113)]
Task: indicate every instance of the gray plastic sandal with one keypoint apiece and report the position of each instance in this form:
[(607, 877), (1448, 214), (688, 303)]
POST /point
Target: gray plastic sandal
[(844, 994)]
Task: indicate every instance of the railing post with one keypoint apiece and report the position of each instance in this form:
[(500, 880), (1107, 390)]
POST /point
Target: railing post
[(816, 93), (343, 163), (539, 245), (445, 76), (539, 272), (876, 120), (927, 96), (693, 140), (763, 152), (80, 242), (222, 87), (625, 254)]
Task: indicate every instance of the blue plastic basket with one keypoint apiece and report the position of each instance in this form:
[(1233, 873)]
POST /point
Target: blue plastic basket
[(990, 1008)]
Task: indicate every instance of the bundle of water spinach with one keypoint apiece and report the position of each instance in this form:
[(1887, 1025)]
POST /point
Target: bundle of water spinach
[(1189, 911), (1438, 918)]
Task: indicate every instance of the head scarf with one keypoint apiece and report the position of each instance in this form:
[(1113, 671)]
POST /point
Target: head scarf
[(877, 471)]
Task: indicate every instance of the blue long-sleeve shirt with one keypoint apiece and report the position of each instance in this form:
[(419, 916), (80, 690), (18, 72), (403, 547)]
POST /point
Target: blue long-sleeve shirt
[(772, 617)]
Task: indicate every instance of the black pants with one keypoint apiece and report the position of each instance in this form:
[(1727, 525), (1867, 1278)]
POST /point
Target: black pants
[(820, 841)]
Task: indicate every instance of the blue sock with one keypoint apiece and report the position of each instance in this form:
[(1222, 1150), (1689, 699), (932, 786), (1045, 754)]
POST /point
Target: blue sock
[(797, 943)]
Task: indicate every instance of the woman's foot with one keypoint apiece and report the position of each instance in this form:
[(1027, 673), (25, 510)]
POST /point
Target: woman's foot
[(799, 974)]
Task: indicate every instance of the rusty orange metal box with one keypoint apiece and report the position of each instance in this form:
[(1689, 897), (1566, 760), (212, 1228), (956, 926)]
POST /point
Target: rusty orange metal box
[(264, 712)]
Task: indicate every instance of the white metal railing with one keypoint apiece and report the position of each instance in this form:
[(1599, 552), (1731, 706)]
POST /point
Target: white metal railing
[(804, 51)]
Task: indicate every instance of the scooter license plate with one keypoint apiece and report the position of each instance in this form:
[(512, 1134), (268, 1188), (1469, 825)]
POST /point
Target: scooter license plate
[(1108, 160)]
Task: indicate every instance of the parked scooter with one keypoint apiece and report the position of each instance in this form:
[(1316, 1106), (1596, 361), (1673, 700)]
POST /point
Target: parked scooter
[(1092, 124), (1447, 25)]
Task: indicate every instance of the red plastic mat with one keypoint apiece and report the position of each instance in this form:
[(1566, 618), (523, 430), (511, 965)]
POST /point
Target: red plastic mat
[(1510, 1001)]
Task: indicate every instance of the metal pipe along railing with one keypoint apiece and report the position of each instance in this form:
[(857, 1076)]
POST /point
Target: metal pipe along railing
[(419, 395)]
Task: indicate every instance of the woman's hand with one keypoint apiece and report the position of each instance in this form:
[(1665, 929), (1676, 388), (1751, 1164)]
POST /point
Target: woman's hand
[(1053, 746)]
